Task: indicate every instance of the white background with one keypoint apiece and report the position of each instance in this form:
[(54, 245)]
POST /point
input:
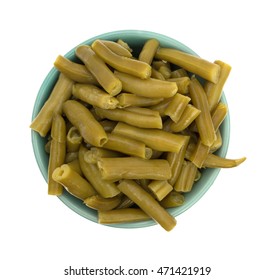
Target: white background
[(230, 229)]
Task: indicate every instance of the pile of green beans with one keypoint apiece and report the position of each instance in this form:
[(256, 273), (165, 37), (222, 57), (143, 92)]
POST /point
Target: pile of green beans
[(129, 136)]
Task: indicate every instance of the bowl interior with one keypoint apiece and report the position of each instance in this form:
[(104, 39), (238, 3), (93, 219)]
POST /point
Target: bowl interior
[(135, 39)]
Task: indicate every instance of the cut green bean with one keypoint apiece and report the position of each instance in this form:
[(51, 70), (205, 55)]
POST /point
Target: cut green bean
[(128, 146), (199, 154), (73, 182), (214, 90), (73, 140), (189, 114), (132, 118), (124, 45), (165, 71), (176, 160), (95, 96), (104, 187), (61, 92), (74, 71), (129, 99), (93, 155), (182, 83), (218, 115), (148, 204), (154, 138), (99, 69), (116, 169), (57, 152), (118, 216), (186, 178), (178, 73), (148, 51), (100, 203), (150, 87), (214, 161), (117, 48), (87, 125), (218, 142), (122, 63), (194, 64), (160, 189), (157, 75), (173, 199), (176, 107), (203, 121)]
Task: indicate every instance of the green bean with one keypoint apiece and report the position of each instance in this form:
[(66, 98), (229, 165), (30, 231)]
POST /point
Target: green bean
[(218, 115), (186, 178), (189, 114), (214, 161), (129, 99), (57, 153), (95, 96), (182, 83), (218, 142), (207, 70), (160, 189), (73, 182), (165, 71), (122, 63), (203, 121), (118, 216), (176, 107), (100, 203), (74, 71), (132, 118), (117, 48), (99, 69), (142, 111), (199, 154), (150, 87), (127, 146), (156, 64), (95, 154), (147, 203), (74, 139), (84, 121), (148, 51), (173, 199), (178, 73), (104, 187), (176, 160), (124, 45), (154, 138), (157, 75), (116, 169), (214, 91), (61, 92)]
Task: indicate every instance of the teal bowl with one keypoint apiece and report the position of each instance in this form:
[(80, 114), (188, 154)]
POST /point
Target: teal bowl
[(136, 39)]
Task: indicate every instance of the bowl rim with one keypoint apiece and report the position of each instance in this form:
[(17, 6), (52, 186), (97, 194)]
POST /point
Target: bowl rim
[(68, 199)]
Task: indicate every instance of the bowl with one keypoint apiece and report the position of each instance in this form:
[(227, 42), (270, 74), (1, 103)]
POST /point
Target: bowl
[(136, 39)]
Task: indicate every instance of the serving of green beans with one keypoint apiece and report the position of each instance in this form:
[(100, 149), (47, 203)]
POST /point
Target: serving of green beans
[(130, 134)]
